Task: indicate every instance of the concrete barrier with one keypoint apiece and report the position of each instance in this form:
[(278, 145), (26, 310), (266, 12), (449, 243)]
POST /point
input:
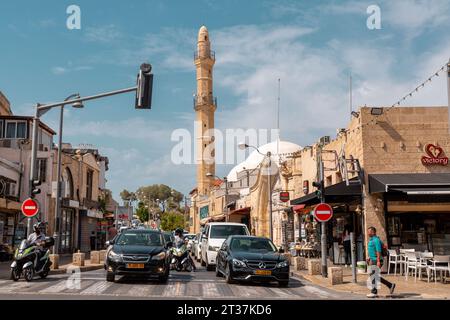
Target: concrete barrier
[(102, 256), (54, 258), (78, 259), (300, 263), (95, 257), (335, 275), (314, 267)]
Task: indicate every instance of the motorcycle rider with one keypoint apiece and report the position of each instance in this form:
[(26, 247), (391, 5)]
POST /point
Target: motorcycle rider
[(178, 238), (37, 238)]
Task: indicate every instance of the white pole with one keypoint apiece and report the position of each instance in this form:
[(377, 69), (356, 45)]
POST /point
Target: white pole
[(448, 92)]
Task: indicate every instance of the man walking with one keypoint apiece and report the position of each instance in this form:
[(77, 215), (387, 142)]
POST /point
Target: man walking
[(375, 262)]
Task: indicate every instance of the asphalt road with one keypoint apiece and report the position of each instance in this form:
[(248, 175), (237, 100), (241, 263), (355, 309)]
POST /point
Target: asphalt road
[(201, 284)]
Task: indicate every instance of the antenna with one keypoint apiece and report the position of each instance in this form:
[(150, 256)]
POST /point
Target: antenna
[(350, 95)]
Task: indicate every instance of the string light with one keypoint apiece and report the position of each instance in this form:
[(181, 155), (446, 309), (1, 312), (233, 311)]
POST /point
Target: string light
[(422, 85)]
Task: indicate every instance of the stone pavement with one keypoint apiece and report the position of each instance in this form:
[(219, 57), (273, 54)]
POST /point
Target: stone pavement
[(404, 288)]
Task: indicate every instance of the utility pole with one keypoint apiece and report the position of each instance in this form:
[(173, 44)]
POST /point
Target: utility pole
[(225, 180), (448, 92), (321, 188), (269, 154), (353, 254)]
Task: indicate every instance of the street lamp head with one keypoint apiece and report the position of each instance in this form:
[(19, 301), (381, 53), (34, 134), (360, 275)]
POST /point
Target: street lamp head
[(209, 175), (242, 145), (78, 105)]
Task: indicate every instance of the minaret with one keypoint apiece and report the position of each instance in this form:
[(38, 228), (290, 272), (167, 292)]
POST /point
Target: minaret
[(204, 105)]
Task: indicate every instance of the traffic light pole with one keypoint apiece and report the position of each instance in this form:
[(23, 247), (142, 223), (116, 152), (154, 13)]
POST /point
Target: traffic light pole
[(33, 161), (323, 236)]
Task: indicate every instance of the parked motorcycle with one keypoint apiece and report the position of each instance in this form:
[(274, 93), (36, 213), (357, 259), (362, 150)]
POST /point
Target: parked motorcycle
[(181, 259), (29, 260)]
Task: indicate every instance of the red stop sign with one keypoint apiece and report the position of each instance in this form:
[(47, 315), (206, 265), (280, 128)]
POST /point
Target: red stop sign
[(30, 208), (323, 212)]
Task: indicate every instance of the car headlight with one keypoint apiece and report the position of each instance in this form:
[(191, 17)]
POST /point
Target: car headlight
[(282, 264), (114, 256), (159, 256), (212, 248), (239, 263)]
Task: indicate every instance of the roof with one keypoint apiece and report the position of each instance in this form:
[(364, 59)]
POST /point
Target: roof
[(30, 119), (279, 150)]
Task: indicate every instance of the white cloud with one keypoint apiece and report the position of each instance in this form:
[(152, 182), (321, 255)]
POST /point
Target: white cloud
[(103, 34)]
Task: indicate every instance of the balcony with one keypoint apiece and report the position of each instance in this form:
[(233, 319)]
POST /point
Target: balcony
[(212, 55), (204, 100)]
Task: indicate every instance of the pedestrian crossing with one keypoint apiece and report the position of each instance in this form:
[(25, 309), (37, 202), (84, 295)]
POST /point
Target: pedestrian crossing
[(189, 287)]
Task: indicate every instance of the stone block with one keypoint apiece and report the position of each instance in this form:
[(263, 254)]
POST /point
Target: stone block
[(54, 258), (95, 257), (335, 275), (314, 267), (300, 263), (102, 255), (78, 259)]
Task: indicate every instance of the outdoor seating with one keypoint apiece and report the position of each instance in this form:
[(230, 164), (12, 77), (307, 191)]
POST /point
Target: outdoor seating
[(403, 259), (441, 264), (413, 263), (394, 259)]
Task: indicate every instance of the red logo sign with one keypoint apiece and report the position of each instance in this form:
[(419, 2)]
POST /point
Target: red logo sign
[(30, 208), (435, 156), (323, 212), (284, 196)]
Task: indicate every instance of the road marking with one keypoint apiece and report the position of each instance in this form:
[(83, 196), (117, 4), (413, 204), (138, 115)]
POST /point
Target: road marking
[(280, 292), (97, 288), (176, 289), (60, 286), (210, 290), (14, 286), (140, 291), (317, 291)]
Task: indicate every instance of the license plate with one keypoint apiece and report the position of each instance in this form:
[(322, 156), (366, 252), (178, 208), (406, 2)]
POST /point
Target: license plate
[(135, 266), (263, 272)]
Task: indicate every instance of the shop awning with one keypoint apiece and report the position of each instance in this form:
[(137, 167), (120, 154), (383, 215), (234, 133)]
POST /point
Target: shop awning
[(298, 207), (245, 210), (335, 193), (410, 183)]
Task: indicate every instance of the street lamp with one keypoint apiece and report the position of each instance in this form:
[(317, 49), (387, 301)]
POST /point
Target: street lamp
[(225, 180), (56, 231), (243, 146)]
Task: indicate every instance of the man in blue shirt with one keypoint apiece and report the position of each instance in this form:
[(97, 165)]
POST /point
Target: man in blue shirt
[(375, 262)]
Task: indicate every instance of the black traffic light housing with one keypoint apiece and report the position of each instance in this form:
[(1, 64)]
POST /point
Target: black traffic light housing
[(320, 192), (144, 87), (35, 190)]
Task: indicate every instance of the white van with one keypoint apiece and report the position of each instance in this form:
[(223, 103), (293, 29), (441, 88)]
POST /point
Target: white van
[(214, 234)]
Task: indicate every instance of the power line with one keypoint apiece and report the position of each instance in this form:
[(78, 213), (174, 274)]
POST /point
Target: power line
[(402, 99)]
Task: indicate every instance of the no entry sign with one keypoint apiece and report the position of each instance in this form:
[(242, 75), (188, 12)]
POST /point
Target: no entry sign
[(30, 208), (323, 212)]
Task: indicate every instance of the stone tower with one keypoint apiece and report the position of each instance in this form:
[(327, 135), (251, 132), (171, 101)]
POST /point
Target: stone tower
[(205, 105)]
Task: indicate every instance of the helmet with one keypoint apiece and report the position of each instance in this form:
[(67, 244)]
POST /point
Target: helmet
[(179, 231), (37, 226)]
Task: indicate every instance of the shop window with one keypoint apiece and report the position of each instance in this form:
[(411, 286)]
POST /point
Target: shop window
[(89, 181), (1, 129)]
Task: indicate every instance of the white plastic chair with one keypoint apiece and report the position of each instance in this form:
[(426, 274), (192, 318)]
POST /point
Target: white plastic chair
[(441, 264), (412, 263), (394, 259), (404, 260)]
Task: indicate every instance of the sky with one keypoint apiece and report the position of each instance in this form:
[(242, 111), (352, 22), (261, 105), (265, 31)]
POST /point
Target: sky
[(311, 46)]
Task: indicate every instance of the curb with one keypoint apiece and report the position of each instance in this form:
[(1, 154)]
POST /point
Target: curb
[(63, 269)]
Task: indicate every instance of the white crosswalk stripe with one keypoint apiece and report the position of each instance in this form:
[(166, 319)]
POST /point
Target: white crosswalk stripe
[(316, 291), (14, 286), (280, 292), (140, 291), (176, 289), (60, 286), (96, 288), (210, 290)]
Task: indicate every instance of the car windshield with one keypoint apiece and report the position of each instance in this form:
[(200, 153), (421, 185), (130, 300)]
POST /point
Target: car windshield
[(151, 239), (167, 238), (223, 231), (252, 245)]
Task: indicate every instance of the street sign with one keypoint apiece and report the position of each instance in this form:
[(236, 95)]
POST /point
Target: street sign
[(284, 196), (323, 212), (30, 208)]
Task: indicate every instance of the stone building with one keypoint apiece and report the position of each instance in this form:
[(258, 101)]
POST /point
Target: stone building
[(389, 170)]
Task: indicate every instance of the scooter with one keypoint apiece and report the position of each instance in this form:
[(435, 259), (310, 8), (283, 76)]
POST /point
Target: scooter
[(30, 260), (181, 260)]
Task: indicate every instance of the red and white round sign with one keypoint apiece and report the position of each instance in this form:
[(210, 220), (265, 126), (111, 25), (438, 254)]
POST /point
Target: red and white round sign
[(30, 208), (323, 212)]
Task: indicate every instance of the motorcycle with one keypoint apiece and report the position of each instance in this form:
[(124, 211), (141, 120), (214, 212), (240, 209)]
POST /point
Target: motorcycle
[(30, 260), (181, 259)]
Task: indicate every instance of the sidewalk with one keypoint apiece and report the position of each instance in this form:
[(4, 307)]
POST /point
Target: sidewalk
[(403, 289)]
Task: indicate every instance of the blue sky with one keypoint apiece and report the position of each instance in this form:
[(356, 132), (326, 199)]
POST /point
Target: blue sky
[(311, 45)]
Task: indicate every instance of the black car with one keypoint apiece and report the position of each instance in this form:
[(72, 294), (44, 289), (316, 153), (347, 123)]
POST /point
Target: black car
[(138, 252), (249, 258), (168, 237)]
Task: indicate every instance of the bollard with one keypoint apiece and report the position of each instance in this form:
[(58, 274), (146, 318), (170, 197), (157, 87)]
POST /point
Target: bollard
[(314, 267), (54, 258), (335, 275), (78, 259), (95, 257)]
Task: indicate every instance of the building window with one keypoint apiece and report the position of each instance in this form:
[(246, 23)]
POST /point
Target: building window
[(42, 170), (1, 128), (89, 180), (16, 129)]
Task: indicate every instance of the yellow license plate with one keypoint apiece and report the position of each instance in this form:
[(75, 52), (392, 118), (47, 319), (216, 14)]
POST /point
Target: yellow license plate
[(263, 272), (135, 266)]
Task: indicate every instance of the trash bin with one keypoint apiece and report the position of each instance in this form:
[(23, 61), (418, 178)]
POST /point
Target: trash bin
[(361, 267)]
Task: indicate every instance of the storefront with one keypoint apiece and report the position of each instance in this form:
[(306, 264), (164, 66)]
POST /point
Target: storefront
[(91, 230), (346, 203), (417, 210)]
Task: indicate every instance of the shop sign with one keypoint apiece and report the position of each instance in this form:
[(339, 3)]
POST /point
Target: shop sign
[(95, 214), (204, 212), (284, 196), (435, 156)]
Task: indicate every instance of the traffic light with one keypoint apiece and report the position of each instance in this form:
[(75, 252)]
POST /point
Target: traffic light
[(320, 189), (144, 87), (35, 190)]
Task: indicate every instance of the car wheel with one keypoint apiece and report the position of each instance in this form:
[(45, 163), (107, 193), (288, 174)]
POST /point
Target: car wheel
[(228, 277), (44, 273), (163, 279), (110, 276), (283, 284)]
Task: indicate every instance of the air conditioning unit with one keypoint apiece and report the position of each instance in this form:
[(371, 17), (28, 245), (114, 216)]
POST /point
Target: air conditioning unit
[(12, 190), (324, 140)]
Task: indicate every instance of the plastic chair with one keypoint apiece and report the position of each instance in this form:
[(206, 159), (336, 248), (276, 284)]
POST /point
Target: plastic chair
[(439, 263), (394, 259)]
